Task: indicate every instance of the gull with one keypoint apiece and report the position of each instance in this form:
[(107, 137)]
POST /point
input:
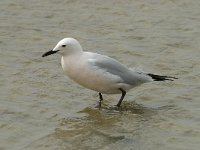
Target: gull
[(100, 73)]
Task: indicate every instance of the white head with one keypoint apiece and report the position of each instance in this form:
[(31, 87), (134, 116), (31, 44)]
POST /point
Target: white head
[(65, 47)]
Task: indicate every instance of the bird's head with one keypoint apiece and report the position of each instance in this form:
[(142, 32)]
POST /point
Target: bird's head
[(65, 47)]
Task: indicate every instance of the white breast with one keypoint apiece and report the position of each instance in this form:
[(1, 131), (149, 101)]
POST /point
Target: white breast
[(90, 77)]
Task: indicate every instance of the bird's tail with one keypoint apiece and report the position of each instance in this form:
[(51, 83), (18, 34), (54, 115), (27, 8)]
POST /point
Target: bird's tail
[(161, 78)]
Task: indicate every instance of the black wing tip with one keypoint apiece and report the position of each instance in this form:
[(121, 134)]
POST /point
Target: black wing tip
[(161, 78), (43, 55)]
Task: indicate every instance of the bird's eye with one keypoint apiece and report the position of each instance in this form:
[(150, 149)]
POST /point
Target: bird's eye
[(63, 45)]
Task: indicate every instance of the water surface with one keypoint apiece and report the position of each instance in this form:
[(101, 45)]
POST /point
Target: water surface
[(40, 108)]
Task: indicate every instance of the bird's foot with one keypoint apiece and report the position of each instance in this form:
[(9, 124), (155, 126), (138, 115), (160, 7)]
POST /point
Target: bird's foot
[(99, 105)]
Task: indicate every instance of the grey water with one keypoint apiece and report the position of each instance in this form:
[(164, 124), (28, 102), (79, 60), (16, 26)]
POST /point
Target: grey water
[(42, 109)]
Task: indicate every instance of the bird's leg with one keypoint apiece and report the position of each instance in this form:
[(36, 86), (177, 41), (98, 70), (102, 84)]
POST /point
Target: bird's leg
[(122, 97), (101, 99)]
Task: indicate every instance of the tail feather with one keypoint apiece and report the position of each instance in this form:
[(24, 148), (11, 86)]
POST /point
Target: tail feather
[(161, 78)]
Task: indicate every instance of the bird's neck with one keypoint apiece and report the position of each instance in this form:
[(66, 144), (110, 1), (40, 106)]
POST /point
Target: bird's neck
[(69, 59)]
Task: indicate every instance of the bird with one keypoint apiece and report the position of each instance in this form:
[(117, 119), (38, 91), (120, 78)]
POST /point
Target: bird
[(99, 73)]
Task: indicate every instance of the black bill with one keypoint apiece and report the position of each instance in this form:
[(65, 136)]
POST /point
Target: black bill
[(49, 53)]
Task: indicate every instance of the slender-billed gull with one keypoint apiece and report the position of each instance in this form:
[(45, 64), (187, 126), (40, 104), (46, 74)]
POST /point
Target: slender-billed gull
[(99, 72)]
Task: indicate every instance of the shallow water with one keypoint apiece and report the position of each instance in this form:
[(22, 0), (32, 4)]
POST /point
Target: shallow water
[(42, 109)]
